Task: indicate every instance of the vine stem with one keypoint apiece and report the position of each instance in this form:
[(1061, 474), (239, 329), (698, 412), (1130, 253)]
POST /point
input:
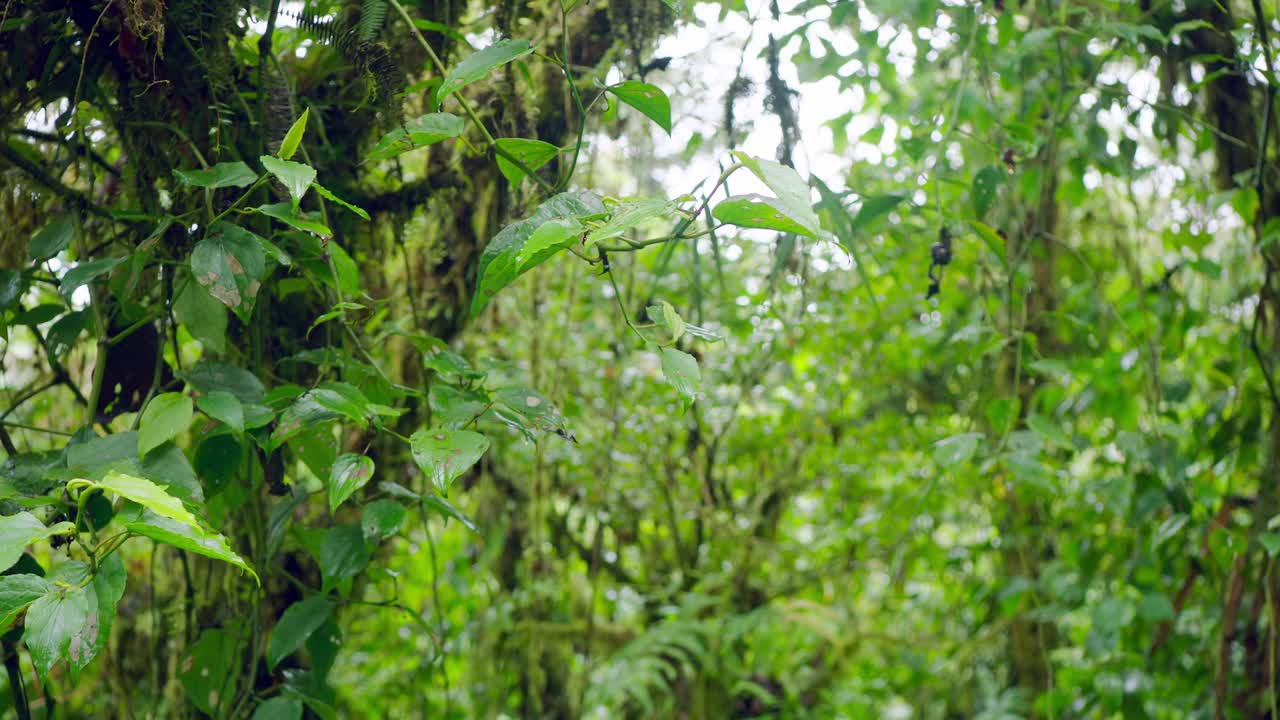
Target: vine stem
[(466, 106)]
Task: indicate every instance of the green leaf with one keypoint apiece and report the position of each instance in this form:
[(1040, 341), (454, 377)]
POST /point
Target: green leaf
[(296, 625), (162, 419), (217, 461), (790, 189), (229, 264), (84, 272), (206, 670), (455, 407), (758, 211), (445, 454), (1155, 607), (296, 177), (225, 407), (873, 208), (534, 409), (11, 287), (417, 133), (447, 510), (381, 519), (1271, 543), (204, 316), (279, 708), (288, 214), (628, 216), (293, 138), (983, 191), (343, 553), (19, 530), (210, 376), (447, 362), (1049, 430), (681, 370), (108, 588), (664, 315), (956, 450), (224, 174), (648, 99), (186, 536), (58, 627), (327, 402), (52, 239), (993, 241), (550, 238), (479, 64), (328, 195), (166, 465), (16, 593), (149, 495), (533, 153), (501, 261), (316, 446), (350, 472)]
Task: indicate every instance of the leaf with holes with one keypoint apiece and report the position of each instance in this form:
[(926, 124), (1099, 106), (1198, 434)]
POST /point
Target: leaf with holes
[(479, 64), (648, 99), (758, 211), (229, 264), (681, 370), (165, 416), (296, 177), (293, 138), (224, 174), (445, 454), (349, 473), (417, 133), (533, 153)]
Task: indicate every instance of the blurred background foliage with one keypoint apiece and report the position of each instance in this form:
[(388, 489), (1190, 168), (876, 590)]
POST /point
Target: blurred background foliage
[(1001, 442)]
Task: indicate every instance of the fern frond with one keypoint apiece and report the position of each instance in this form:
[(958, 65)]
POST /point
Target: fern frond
[(373, 14)]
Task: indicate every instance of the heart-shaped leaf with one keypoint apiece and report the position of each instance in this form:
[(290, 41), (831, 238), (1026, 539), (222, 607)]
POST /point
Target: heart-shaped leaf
[(648, 99), (445, 454), (349, 473), (481, 63)]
